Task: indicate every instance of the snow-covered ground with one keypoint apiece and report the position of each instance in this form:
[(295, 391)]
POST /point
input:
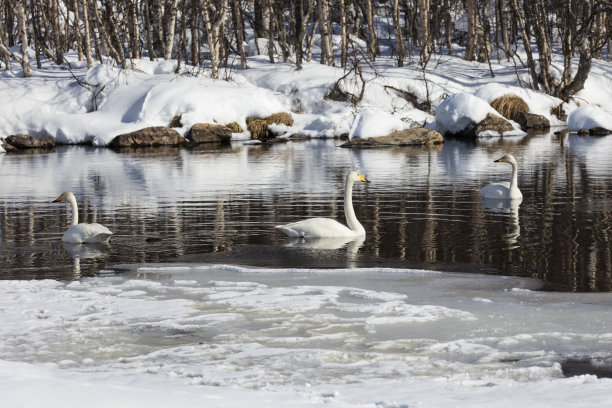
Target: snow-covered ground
[(218, 335), (110, 101)]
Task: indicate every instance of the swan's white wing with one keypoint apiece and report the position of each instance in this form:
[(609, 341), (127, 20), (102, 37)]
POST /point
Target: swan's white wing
[(87, 233), (496, 190), (316, 227)]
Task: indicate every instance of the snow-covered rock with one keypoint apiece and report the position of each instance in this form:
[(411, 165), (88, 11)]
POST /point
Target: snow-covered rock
[(589, 117), (462, 111), (375, 122)]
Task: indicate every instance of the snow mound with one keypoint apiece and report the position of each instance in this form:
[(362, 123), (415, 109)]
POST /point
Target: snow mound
[(373, 123), (589, 117), (202, 100), (462, 110)]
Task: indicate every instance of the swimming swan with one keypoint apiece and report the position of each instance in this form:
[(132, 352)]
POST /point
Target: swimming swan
[(326, 227), (82, 233), (504, 190)]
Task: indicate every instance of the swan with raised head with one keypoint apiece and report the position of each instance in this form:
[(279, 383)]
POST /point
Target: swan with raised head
[(83, 233), (504, 190), (326, 227)]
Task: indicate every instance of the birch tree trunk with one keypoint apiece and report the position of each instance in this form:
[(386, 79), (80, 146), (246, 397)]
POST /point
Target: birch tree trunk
[(59, 53), (470, 48), (157, 29), (106, 40), (503, 26), (23, 34), (327, 56), (213, 24), (425, 34), (448, 26), (77, 29), (301, 26), (114, 39), (343, 35), (36, 29), (193, 26), (239, 28), (270, 31), (369, 11), (171, 9), (540, 29), (133, 28), (399, 39), (521, 22)]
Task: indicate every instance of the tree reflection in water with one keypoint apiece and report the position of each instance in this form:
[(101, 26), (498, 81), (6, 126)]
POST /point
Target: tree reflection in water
[(421, 208)]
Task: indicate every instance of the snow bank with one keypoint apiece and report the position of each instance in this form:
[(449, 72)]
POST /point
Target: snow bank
[(462, 110), (589, 117), (52, 103), (373, 123)]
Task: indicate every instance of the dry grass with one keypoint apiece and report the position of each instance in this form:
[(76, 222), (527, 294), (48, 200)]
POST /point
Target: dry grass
[(510, 106), (234, 127), (282, 118), (258, 128), (559, 112)]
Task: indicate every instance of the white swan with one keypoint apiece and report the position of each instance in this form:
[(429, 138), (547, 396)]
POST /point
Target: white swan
[(504, 190), (82, 233), (326, 227)]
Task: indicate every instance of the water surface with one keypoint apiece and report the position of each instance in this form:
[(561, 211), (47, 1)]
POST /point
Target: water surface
[(421, 209)]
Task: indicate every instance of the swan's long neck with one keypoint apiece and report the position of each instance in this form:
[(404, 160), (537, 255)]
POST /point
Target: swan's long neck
[(514, 178), (349, 212), (75, 210)]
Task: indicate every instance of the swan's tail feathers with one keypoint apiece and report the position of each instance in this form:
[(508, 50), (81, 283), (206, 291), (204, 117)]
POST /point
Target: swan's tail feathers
[(287, 230)]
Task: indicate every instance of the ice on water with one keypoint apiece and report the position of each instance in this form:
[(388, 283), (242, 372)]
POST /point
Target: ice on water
[(345, 337)]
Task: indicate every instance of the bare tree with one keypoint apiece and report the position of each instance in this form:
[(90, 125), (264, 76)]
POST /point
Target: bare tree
[(397, 29), (59, 52), (343, 34), (327, 52), (372, 41), (472, 13), (213, 19), (170, 27), (157, 29), (239, 29), (425, 32), (23, 34)]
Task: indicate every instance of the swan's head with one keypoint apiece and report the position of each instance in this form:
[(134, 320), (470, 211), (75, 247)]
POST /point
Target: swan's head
[(508, 158), (354, 176), (65, 197)]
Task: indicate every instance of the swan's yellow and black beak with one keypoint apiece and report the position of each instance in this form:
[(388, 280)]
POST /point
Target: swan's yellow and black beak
[(58, 199), (501, 159), (363, 179)]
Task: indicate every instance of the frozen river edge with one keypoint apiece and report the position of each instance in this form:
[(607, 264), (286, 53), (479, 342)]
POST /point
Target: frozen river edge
[(224, 335)]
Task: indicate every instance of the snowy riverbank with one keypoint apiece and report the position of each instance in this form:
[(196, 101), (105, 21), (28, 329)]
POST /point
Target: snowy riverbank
[(53, 104)]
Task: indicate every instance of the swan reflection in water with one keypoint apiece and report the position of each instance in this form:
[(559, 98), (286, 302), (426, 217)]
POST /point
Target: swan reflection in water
[(510, 207), (84, 251), (352, 244)]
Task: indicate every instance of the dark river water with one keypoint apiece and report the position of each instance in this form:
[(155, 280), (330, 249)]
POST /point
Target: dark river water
[(220, 204)]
